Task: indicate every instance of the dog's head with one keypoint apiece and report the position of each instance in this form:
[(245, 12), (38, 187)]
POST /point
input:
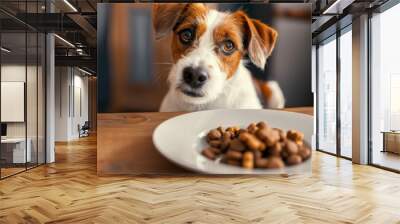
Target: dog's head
[(208, 47)]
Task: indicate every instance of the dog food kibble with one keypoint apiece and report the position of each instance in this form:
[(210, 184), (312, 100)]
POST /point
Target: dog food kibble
[(214, 135), (237, 145), (233, 162), (262, 125), (235, 155), (228, 135), (257, 154), (262, 134), (248, 160), (282, 134), (257, 146), (215, 143), (261, 163), (272, 138), (305, 153), (242, 131), (233, 130), (252, 128), (208, 152), (226, 140), (216, 151), (276, 149), (295, 136), (291, 148), (294, 159), (275, 163), (252, 141)]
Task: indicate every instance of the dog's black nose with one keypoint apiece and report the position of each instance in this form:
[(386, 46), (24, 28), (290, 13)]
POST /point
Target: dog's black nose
[(195, 77)]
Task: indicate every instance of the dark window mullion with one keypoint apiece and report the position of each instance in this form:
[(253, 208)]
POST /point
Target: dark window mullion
[(37, 90), (317, 96), (369, 55), (338, 95), (26, 87)]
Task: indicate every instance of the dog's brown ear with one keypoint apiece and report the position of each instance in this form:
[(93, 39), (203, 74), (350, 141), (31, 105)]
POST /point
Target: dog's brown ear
[(260, 39), (165, 16)]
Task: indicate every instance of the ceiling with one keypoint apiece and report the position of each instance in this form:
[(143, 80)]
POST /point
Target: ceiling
[(76, 22)]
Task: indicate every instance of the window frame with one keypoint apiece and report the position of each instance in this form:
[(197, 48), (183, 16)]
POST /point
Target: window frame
[(381, 9), (333, 37), (28, 29)]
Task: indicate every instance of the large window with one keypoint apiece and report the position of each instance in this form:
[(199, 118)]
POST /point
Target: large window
[(346, 93), (335, 94), (22, 79), (385, 89), (327, 95)]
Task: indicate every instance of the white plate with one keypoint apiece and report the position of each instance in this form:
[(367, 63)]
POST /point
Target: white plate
[(181, 139)]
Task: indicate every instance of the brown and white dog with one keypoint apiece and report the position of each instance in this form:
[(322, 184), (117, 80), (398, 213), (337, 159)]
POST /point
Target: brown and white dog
[(208, 50)]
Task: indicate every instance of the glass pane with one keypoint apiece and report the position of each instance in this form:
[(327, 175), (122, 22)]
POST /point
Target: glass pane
[(346, 93), (41, 98), (13, 87), (31, 100), (31, 87), (327, 96), (385, 84)]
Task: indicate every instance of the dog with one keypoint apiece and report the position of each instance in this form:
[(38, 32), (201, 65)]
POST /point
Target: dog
[(210, 50)]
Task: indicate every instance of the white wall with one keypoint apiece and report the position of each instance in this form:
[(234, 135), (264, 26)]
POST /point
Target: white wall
[(71, 94), (62, 81), (16, 73), (13, 73), (80, 112)]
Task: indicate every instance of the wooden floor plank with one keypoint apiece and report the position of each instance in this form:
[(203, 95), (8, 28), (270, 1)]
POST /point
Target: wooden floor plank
[(69, 191)]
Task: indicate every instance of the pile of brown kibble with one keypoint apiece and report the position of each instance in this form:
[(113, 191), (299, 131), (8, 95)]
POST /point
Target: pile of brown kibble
[(257, 146)]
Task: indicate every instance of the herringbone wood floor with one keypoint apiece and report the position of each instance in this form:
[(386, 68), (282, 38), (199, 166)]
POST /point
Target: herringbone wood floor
[(70, 192)]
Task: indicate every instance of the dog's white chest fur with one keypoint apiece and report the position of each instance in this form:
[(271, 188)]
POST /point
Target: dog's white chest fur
[(238, 93)]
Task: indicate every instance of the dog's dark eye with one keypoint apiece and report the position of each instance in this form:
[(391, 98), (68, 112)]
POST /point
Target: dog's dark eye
[(186, 36), (227, 47)]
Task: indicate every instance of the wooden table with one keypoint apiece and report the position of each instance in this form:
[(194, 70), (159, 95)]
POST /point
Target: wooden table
[(124, 143)]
